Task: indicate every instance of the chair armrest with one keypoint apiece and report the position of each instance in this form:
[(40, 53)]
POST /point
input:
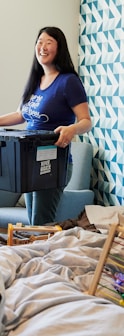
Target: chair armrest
[(13, 215), (72, 203)]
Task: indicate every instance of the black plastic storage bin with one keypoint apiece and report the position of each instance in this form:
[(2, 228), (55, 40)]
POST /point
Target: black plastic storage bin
[(30, 161)]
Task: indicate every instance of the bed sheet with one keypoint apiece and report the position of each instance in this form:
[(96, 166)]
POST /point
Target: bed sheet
[(45, 288)]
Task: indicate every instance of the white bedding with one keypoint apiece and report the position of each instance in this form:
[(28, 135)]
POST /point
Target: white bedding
[(45, 284)]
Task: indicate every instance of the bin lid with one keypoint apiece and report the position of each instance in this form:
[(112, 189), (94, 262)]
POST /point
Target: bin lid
[(13, 134)]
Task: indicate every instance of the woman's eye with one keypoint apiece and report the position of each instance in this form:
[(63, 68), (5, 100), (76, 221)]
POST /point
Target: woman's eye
[(39, 42)]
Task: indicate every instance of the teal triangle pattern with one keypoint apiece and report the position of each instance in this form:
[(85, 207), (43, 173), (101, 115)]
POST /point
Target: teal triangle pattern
[(101, 68)]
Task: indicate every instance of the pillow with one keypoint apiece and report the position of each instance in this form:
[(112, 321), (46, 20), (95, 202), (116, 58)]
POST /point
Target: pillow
[(8, 198), (103, 216), (21, 202)]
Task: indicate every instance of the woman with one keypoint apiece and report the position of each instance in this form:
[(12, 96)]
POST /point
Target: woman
[(53, 99)]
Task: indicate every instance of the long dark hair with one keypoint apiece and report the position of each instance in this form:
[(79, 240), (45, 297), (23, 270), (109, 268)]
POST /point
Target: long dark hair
[(62, 61)]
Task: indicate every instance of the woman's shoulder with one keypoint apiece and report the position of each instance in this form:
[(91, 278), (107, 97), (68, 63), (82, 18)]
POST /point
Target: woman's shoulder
[(69, 75), (69, 78)]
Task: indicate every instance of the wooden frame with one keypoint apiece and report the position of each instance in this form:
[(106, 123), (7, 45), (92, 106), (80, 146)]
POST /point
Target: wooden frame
[(114, 229), (45, 233)]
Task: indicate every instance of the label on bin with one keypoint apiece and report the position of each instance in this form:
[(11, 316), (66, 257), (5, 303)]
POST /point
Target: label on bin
[(46, 153), (45, 167)]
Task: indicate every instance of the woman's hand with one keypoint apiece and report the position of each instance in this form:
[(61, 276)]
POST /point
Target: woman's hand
[(66, 135)]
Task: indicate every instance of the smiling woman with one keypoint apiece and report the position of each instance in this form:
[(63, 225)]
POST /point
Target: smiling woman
[(54, 97)]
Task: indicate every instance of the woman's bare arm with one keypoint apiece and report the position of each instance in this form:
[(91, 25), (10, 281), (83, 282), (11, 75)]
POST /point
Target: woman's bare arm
[(82, 125), (11, 119)]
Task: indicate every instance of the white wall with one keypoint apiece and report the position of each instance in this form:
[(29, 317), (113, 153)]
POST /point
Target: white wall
[(20, 21)]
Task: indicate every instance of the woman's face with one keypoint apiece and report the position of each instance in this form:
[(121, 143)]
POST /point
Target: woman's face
[(46, 49)]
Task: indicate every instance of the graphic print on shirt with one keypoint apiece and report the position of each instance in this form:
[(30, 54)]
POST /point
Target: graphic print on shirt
[(31, 109)]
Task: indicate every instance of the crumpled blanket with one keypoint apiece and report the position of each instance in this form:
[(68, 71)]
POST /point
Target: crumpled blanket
[(46, 286)]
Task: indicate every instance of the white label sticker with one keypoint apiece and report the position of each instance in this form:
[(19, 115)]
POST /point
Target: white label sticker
[(46, 153), (45, 167)]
